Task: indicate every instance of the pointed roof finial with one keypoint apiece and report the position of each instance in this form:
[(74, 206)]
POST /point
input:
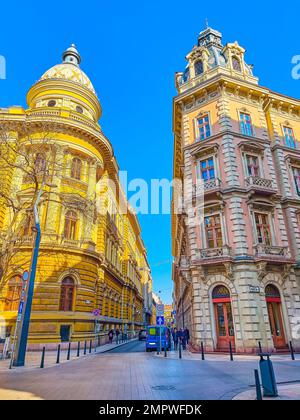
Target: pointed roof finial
[(72, 56), (206, 23)]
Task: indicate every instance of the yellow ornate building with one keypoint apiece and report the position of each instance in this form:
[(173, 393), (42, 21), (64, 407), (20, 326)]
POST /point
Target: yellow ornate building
[(92, 255)]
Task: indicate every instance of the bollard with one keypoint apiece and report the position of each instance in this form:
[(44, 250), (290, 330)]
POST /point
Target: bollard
[(58, 354), (69, 352), (90, 349), (202, 351), (165, 350), (43, 358), (259, 346), (230, 350), (84, 351), (257, 385), (292, 351), (180, 354), (78, 349)]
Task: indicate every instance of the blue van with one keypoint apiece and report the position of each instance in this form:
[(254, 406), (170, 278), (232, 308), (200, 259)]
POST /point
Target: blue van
[(152, 340)]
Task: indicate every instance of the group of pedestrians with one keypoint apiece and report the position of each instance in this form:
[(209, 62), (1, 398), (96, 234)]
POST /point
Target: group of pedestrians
[(181, 336), (116, 333)]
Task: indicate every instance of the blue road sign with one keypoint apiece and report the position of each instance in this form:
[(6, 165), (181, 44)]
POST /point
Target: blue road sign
[(21, 307), (25, 275), (160, 320)]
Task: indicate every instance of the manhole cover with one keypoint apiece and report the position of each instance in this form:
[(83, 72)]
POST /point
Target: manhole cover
[(164, 388)]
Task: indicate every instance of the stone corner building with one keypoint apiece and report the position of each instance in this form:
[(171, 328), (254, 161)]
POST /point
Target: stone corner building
[(236, 275), (89, 259)]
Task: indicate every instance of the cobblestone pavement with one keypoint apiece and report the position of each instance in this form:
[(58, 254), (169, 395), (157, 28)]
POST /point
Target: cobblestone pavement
[(130, 373), (285, 392)]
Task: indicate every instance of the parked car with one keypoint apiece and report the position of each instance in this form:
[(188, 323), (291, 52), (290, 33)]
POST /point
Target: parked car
[(142, 335)]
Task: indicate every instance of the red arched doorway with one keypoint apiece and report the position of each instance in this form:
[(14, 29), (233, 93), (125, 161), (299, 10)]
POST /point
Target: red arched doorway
[(275, 316), (223, 317)]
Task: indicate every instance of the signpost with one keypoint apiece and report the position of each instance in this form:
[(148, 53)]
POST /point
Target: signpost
[(160, 320), (96, 313)]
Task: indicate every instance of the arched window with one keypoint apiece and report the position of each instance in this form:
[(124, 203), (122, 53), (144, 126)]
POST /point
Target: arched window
[(236, 64), (70, 225), (76, 168), (272, 291), (13, 295), (198, 67), (220, 292), (67, 294), (40, 163)]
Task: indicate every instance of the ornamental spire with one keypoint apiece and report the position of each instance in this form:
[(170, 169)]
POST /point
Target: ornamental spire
[(72, 56)]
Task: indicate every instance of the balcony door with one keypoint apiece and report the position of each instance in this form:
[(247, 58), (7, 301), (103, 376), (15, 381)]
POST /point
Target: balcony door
[(275, 316), (223, 318)]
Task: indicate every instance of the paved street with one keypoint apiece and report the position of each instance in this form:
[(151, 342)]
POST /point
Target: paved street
[(128, 372)]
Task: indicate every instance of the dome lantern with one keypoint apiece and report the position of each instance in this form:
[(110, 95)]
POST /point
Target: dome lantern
[(71, 56)]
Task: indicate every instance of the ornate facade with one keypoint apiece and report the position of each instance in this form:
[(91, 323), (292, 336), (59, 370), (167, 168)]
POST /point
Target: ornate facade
[(236, 273), (91, 255)]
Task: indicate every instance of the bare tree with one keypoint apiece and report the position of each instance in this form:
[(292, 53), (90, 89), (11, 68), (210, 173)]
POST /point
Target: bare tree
[(28, 164)]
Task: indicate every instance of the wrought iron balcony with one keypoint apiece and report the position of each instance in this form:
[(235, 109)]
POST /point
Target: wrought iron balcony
[(223, 251), (256, 181), (271, 251)]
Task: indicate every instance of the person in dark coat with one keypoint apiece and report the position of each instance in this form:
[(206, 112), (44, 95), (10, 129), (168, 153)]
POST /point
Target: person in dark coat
[(110, 336), (117, 335), (187, 335), (182, 338), (175, 338)]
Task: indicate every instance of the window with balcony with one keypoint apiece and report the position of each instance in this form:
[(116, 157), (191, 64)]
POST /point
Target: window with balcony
[(213, 231), (263, 229), (246, 124), (198, 67), (296, 175), (13, 294), (71, 221), (204, 129), (67, 295), (289, 137), (252, 163), (207, 169), (76, 168)]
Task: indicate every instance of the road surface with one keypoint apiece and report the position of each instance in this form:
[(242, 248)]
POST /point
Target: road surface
[(130, 373)]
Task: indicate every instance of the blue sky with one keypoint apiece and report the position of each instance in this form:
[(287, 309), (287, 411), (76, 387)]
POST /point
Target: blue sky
[(131, 50)]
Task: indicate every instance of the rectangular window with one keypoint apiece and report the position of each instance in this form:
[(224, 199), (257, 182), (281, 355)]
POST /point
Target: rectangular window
[(213, 231), (246, 124), (263, 228), (204, 127), (289, 138), (207, 169), (252, 165), (296, 174)]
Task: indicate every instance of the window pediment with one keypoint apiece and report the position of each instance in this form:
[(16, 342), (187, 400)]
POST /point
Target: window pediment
[(203, 150), (252, 147)]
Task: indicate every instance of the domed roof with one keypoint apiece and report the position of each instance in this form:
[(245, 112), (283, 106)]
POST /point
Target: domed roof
[(69, 70)]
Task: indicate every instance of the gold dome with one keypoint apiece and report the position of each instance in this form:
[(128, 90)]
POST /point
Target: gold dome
[(71, 72)]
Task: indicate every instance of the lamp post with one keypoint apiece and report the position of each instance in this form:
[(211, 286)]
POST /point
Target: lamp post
[(22, 336)]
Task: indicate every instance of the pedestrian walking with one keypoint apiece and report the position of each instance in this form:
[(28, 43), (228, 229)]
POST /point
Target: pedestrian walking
[(182, 338), (175, 338), (110, 336), (187, 335), (117, 335)]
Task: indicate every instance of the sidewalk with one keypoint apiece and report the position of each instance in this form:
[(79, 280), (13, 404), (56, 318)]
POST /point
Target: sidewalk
[(221, 357), (33, 358), (285, 392)]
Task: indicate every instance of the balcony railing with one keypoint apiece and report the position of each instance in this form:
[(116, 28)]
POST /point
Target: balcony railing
[(271, 251), (259, 182), (208, 185), (223, 251)]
